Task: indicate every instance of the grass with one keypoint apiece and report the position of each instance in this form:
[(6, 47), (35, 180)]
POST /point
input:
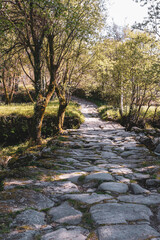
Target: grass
[(26, 109), (108, 111), (111, 112)]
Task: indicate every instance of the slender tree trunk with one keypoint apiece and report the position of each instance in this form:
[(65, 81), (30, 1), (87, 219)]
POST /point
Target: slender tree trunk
[(155, 113), (61, 115), (41, 101), (121, 101), (62, 108), (39, 111), (27, 91), (5, 87)]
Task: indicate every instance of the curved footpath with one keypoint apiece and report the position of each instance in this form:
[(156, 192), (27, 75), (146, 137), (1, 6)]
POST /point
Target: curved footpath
[(95, 183)]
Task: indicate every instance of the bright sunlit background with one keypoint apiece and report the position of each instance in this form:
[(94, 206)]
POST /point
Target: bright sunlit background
[(125, 12)]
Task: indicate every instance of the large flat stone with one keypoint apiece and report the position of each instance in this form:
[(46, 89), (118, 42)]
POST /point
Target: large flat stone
[(16, 200), (64, 234), (114, 187), (101, 176), (123, 232), (121, 170), (137, 176), (61, 188), (151, 199), (30, 218), (65, 214), (137, 189), (88, 198), (116, 213), (16, 235), (109, 155)]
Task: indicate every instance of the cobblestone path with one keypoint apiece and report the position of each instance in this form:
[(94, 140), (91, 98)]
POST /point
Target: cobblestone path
[(93, 183)]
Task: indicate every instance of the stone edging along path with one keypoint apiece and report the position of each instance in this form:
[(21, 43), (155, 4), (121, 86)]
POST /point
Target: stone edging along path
[(92, 184)]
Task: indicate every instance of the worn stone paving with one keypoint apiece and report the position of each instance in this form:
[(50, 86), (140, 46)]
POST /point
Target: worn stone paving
[(97, 182)]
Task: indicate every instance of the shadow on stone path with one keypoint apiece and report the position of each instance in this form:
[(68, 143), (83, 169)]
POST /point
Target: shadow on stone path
[(92, 184)]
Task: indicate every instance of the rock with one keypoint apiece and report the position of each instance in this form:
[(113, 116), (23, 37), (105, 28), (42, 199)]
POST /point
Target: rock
[(158, 215), (151, 199), (153, 182), (30, 218), (92, 169), (137, 189), (137, 176), (147, 141), (120, 170), (117, 213), (16, 235), (88, 198), (122, 179), (63, 233), (109, 155), (65, 214), (18, 199), (157, 150), (126, 232), (137, 130), (61, 188), (114, 187), (101, 176)]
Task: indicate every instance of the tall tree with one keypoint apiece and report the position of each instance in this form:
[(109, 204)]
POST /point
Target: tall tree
[(46, 30), (152, 22)]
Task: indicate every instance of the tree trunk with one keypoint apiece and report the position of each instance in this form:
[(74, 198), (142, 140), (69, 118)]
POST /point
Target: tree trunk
[(39, 111), (5, 87), (121, 102), (61, 114)]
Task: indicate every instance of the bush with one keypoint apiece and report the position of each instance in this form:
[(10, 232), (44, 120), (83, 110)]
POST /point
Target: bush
[(20, 97), (16, 128)]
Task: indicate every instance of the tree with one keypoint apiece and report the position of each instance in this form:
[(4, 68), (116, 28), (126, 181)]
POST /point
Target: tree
[(45, 30), (128, 72), (152, 22), (70, 75)]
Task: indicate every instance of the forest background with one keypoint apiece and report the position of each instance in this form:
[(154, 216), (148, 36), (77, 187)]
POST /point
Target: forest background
[(51, 50)]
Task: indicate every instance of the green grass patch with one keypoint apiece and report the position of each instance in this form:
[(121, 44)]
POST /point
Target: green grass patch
[(108, 112), (26, 109), (16, 121)]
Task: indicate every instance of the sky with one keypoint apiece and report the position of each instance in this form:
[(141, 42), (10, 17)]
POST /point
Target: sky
[(125, 12)]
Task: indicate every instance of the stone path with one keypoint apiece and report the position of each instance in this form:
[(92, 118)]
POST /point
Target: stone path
[(96, 182)]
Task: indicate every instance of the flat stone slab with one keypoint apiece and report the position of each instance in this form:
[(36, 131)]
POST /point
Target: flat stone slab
[(88, 198), (65, 214), (137, 176), (29, 218), (126, 232), (120, 170), (137, 189), (71, 175), (16, 235), (153, 182), (67, 234), (122, 179), (17, 200), (114, 187), (92, 169), (108, 155), (101, 176), (117, 213), (151, 199), (61, 188)]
